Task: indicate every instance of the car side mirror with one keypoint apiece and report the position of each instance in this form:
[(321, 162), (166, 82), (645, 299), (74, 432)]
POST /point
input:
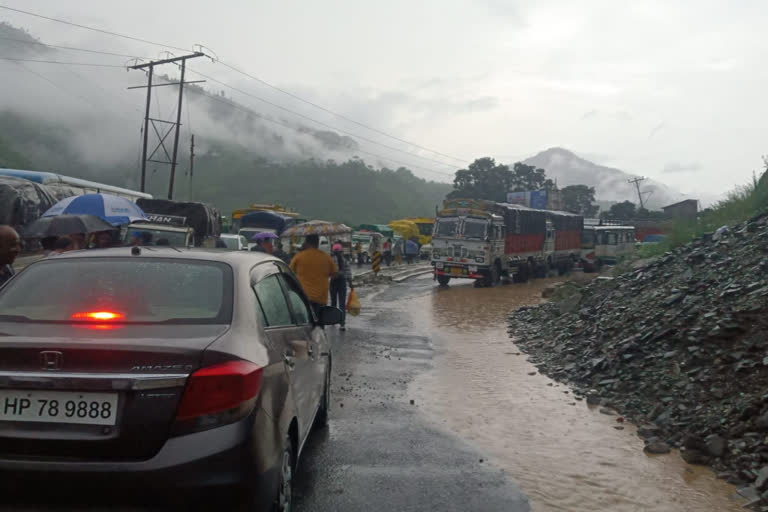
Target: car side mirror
[(330, 315)]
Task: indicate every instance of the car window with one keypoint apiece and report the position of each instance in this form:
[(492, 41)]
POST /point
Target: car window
[(301, 311), (274, 308), (128, 290)]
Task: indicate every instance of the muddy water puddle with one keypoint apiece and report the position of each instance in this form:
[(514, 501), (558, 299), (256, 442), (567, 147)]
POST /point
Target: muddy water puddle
[(565, 455)]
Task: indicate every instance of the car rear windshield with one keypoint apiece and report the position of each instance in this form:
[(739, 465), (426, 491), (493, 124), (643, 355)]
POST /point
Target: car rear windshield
[(120, 290)]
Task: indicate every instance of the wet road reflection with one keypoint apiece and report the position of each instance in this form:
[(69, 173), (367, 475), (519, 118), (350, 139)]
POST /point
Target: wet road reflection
[(566, 456)]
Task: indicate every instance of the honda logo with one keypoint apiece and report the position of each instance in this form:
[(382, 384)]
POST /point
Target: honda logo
[(51, 360)]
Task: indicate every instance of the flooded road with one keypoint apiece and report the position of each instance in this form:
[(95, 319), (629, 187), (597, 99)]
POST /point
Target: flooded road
[(565, 455)]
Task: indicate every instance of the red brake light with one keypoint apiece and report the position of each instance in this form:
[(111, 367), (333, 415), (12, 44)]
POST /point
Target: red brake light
[(98, 316), (219, 388)]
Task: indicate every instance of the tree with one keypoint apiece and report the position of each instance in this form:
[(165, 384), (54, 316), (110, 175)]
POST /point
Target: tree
[(483, 179), (625, 210), (529, 177), (579, 199)]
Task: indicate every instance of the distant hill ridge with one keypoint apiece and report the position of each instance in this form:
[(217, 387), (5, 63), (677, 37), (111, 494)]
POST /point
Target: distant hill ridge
[(610, 183)]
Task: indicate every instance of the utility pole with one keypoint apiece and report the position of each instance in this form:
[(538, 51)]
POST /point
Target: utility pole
[(170, 158), (191, 164), (637, 181)]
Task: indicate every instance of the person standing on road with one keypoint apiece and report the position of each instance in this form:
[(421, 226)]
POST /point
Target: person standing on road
[(339, 284), (314, 268), (398, 252), (387, 247), (359, 253), (411, 251), (10, 247)]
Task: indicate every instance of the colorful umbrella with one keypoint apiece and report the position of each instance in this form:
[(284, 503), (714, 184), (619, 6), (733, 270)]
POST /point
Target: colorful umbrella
[(264, 235), (317, 227), (113, 209), (61, 225)]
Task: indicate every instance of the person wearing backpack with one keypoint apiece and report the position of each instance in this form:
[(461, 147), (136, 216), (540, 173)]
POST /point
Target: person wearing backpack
[(339, 283)]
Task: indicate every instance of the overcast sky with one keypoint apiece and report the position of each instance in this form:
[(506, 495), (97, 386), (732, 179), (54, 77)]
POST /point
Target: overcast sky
[(674, 90)]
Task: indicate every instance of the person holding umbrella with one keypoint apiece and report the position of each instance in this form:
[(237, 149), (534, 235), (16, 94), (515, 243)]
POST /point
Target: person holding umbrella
[(264, 242), (10, 247)]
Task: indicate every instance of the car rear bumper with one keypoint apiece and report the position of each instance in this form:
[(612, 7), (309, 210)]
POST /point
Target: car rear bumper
[(220, 458)]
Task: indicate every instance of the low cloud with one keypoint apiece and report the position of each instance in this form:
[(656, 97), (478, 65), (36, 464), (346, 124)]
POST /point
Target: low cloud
[(673, 167), (590, 115), (657, 129)]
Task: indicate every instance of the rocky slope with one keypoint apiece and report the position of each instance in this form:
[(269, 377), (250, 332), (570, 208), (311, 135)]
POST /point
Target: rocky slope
[(679, 346)]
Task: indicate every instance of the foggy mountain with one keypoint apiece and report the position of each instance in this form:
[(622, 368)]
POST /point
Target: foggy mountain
[(82, 121), (610, 184)]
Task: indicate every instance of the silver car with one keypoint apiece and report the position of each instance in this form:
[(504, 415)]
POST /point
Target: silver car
[(161, 369)]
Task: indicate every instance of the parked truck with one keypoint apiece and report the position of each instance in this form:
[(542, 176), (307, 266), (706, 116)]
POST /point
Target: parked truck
[(484, 240), (177, 223)]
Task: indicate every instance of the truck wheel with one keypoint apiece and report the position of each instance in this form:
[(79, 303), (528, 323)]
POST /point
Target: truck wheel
[(443, 280)]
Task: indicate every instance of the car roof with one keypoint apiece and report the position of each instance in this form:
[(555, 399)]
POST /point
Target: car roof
[(229, 235), (233, 258)]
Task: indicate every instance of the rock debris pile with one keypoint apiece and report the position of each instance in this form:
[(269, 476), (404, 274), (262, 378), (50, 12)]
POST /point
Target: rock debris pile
[(679, 346)]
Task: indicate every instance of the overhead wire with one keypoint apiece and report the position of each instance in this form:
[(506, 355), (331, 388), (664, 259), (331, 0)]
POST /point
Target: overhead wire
[(293, 128), (70, 48), (90, 64), (86, 27), (321, 123), (244, 73), (340, 116)]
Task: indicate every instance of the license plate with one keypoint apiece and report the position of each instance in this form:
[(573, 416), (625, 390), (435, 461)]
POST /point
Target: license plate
[(58, 407), (457, 270), (439, 265)]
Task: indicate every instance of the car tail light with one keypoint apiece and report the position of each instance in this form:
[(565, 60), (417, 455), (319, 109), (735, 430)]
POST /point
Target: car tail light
[(217, 395), (98, 316)]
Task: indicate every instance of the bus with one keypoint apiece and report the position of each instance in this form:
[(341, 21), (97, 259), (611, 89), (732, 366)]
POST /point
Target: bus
[(66, 186)]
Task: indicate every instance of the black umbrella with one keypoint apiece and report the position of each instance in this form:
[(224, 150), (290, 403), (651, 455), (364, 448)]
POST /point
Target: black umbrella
[(62, 225)]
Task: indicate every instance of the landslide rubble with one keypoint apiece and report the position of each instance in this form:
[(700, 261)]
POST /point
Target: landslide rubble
[(679, 346)]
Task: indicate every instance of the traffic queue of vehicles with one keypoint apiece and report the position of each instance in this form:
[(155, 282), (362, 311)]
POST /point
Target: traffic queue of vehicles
[(485, 241)]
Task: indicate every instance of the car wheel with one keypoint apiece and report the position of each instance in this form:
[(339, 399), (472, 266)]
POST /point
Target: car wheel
[(284, 499), (443, 280), (321, 420)]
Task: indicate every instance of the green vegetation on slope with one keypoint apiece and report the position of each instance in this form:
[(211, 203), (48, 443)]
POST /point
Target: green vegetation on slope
[(349, 192)]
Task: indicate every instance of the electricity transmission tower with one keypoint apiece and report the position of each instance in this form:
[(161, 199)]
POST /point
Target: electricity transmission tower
[(637, 182), (165, 127)]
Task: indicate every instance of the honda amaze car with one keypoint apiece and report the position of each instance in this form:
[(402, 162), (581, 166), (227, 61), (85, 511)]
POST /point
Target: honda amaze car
[(159, 367)]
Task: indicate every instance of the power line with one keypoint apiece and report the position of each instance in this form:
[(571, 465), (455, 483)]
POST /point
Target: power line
[(102, 31), (233, 68), (341, 116), (285, 125), (91, 64), (321, 123), (70, 48)]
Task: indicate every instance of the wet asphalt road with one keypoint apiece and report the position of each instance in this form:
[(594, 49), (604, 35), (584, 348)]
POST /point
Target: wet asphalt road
[(379, 452)]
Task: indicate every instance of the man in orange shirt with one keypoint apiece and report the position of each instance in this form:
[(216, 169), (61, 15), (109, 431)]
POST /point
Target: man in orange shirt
[(314, 268)]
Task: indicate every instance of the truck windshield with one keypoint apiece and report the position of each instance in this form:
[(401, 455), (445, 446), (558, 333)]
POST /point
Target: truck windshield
[(475, 229), (447, 227)]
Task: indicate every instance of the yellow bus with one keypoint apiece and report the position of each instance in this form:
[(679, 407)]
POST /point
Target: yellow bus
[(422, 225)]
